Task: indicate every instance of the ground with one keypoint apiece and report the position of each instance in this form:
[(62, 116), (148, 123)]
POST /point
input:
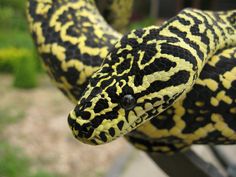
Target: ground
[(43, 133)]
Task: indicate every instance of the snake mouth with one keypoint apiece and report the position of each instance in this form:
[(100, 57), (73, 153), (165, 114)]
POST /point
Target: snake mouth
[(85, 132)]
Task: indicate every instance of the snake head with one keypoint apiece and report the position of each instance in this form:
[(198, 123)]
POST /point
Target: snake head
[(136, 82)]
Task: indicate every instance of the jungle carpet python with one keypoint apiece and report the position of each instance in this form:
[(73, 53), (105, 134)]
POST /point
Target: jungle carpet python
[(163, 88)]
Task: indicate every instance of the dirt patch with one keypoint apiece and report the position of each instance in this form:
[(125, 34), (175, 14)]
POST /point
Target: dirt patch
[(45, 136)]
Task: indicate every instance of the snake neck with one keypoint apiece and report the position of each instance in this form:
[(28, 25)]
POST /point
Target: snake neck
[(202, 34)]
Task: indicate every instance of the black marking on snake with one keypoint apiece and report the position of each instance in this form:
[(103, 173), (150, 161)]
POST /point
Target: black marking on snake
[(195, 30), (150, 51), (184, 21), (139, 78), (232, 19), (178, 78), (204, 39), (170, 101), (193, 124), (111, 115), (154, 34), (127, 90), (96, 91), (209, 72), (139, 33), (210, 26), (106, 83), (85, 115), (159, 64), (183, 35), (129, 41), (232, 91), (181, 77), (214, 135), (85, 130), (123, 66), (101, 105), (120, 124), (112, 94), (112, 131), (164, 123), (96, 122), (32, 11), (94, 142), (223, 66), (219, 20), (178, 51), (153, 146), (102, 135), (228, 117)]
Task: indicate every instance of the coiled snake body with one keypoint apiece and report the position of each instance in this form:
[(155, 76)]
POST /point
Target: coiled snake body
[(164, 88)]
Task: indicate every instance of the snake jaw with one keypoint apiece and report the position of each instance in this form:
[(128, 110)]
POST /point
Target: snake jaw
[(85, 131)]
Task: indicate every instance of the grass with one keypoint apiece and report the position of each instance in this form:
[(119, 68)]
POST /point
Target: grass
[(13, 163)]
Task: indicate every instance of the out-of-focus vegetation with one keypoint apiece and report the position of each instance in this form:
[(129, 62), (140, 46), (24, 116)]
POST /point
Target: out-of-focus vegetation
[(9, 116), (17, 52), (17, 57), (142, 23), (13, 163)]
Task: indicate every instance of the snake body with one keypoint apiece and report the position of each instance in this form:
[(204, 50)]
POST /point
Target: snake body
[(164, 88)]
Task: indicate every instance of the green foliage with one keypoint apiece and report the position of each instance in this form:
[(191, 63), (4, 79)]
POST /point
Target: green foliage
[(25, 72), (143, 23), (43, 174), (15, 4), (9, 57), (12, 19), (17, 39), (12, 46), (13, 14), (13, 163)]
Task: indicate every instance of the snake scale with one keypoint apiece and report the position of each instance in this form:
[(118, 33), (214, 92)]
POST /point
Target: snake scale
[(163, 88)]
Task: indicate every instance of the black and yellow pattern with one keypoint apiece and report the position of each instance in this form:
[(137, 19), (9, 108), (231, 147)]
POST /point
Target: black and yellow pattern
[(72, 38), (165, 88), (205, 115)]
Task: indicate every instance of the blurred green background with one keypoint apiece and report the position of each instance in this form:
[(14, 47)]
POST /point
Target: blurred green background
[(17, 53), (17, 58)]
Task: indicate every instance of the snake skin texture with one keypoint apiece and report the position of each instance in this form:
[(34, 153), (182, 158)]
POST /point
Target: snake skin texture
[(205, 115), (72, 38), (164, 88)]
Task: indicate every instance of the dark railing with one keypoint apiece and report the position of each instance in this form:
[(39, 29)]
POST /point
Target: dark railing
[(184, 164)]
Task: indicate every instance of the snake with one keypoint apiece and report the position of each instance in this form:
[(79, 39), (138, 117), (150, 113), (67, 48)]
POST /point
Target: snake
[(163, 88)]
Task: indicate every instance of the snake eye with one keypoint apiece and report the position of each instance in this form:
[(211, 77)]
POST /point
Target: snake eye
[(128, 102)]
